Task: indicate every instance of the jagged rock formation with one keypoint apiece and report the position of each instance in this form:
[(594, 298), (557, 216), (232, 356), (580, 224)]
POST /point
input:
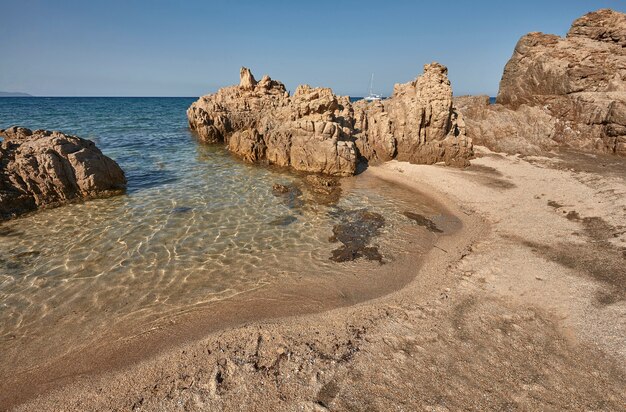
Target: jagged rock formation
[(47, 169), (317, 131), (574, 86), (261, 122), (417, 123)]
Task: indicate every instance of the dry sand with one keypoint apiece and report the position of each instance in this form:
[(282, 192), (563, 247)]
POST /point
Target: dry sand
[(522, 309)]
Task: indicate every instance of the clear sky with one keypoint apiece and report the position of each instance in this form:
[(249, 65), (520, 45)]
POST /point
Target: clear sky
[(190, 48)]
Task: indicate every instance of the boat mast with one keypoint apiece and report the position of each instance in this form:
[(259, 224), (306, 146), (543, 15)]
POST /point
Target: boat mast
[(372, 84)]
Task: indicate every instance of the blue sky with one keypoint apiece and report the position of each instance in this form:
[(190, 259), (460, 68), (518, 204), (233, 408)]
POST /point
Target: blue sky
[(189, 48)]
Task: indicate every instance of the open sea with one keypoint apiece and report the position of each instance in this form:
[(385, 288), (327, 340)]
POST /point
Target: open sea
[(197, 226)]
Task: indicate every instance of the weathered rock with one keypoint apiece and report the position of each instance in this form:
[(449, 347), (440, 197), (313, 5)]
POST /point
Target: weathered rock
[(417, 123), (316, 131), (527, 130), (570, 91), (46, 169), (603, 25), (246, 79), (261, 122)]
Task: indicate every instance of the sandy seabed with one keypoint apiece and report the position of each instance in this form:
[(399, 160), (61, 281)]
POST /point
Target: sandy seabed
[(524, 308)]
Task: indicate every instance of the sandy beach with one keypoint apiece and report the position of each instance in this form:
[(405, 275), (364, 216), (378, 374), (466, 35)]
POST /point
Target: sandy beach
[(203, 207), (523, 308)]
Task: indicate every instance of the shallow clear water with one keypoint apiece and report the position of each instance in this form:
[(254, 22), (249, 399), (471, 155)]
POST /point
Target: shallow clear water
[(196, 226)]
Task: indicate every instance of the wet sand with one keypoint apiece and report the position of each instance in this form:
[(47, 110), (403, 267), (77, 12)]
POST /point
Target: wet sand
[(38, 368), (522, 308)]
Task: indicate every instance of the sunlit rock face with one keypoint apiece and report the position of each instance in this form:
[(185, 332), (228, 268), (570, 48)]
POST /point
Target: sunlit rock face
[(560, 91), (417, 123), (316, 131), (261, 122), (40, 169)]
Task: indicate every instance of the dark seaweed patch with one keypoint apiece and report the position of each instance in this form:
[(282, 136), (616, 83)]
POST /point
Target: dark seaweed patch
[(488, 176), (355, 232), (423, 221), (554, 204)]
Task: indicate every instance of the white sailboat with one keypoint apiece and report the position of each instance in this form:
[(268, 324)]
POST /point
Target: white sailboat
[(372, 96)]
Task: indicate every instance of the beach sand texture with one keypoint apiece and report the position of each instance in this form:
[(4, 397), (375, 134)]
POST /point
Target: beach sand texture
[(521, 309)]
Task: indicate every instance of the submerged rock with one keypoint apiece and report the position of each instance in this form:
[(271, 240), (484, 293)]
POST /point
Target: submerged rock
[(290, 194), (559, 92), (41, 168), (323, 190), (280, 189), (181, 209), (315, 189), (355, 232), (318, 132), (283, 220)]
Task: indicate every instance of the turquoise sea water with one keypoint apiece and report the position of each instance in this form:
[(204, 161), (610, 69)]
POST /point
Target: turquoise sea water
[(146, 136), (196, 226)]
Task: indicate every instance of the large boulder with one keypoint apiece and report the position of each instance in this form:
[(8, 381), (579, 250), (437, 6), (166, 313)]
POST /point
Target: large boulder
[(40, 169), (529, 130), (261, 122), (575, 86), (418, 123), (316, 131)]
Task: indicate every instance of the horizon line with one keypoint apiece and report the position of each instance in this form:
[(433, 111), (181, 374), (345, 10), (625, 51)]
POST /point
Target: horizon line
[(175, 97)]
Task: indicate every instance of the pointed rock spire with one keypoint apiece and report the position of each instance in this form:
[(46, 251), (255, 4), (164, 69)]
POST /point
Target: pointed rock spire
[(246, 79)]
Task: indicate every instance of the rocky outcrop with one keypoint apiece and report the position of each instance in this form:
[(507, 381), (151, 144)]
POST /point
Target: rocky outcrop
[(603, 25), (575, 86), (262, 122), (528, 130), (45, 169), (417, 123), (316, 131)]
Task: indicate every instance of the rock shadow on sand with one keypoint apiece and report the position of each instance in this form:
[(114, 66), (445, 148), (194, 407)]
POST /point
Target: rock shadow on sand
[(598, 258)]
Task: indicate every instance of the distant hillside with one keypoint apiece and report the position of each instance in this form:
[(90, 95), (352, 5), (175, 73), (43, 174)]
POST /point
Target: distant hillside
[(14, 94)]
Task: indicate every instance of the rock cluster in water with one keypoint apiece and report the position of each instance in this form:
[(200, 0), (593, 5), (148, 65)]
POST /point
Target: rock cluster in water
[(45, 169), (559, 92), (316, 131)]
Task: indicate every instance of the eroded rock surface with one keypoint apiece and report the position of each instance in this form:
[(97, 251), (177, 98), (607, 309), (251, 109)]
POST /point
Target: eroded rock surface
[(528, 129), (417, 123), (45, 169), (559, 91), (260, 121), (316, 131)]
